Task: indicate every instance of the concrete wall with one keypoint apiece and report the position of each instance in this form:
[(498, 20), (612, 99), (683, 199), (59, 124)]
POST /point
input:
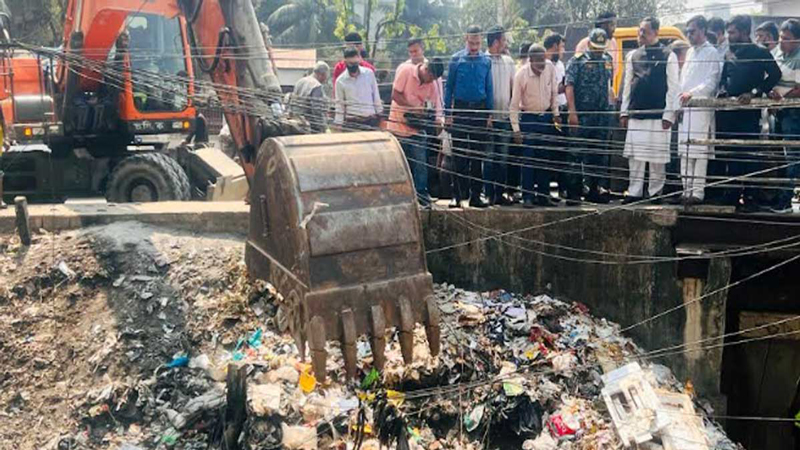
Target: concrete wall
[(625, 293)]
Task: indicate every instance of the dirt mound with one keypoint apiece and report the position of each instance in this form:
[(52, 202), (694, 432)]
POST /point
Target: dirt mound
[(89, 319)]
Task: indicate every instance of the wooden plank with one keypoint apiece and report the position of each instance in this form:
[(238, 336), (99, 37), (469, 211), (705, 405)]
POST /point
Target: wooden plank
[(753, 319), (23, 220)]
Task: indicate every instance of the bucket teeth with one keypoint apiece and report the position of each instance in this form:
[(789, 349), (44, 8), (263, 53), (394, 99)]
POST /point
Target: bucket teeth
[(378, 338), (432, 330), (406, 330), (317, 343), (349, 342)]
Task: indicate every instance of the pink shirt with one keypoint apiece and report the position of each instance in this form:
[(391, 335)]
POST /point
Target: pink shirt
[(407, 83)]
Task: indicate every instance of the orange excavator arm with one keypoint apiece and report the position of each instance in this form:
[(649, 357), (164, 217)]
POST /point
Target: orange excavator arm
[(228, 46)]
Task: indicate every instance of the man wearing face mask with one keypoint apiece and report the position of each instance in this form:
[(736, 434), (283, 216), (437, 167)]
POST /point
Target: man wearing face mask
[(588, 82), (649, 105), (358, 102), (352, 40), (468, 96)]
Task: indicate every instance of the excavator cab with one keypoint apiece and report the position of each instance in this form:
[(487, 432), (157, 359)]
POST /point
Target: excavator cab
[(109, 110)]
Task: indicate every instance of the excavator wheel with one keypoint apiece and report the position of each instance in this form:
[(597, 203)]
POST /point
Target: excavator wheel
[(148, 177)]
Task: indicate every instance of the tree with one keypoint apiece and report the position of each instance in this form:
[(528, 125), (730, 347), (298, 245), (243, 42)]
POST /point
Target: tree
[(39, 22), (302, 21)]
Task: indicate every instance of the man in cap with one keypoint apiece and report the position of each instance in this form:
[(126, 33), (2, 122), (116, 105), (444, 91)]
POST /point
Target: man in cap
[(588, 86), (649, 104), (308, 99), (606, 21)]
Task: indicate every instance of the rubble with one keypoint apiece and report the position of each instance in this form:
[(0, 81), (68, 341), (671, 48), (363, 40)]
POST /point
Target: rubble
[(514, 371)]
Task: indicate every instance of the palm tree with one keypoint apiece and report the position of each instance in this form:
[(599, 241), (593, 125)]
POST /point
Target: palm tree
[(301, 21)]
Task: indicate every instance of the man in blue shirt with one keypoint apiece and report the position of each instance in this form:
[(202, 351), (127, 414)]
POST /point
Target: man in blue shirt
[(468, 102)]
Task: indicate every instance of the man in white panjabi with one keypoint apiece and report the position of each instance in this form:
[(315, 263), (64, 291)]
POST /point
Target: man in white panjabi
[(649, 104), (699, 79)]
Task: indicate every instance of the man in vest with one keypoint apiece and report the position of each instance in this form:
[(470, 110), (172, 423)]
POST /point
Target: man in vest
[(588, 82), (308, 98), (649, 104)]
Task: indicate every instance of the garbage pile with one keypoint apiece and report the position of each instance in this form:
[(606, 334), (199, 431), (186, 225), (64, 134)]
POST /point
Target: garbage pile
[(528, 372)]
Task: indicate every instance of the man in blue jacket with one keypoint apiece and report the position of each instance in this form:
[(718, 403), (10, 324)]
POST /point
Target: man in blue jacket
[(468, 104)]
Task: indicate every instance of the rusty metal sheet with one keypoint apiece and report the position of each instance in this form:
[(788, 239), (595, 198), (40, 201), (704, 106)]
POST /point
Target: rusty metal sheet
[(347, 231), (357, 197), (366, 266), (346, 168)]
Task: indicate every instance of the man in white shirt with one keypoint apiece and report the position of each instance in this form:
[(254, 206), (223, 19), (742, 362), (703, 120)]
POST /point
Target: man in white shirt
[(503, 69), (648, 111), (699, 79), (358, 102), (554, 51)]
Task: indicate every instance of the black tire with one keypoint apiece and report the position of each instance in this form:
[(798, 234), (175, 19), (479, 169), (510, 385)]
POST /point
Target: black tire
[(148, 177)]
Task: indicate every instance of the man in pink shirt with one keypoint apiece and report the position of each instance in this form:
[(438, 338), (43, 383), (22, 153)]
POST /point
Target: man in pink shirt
[(351, 40), (414, 97), (606, 21)]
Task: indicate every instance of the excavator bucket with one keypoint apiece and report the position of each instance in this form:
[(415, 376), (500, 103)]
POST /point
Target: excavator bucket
[(334, 226)]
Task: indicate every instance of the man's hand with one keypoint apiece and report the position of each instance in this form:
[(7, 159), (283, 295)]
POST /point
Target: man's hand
[(448, 122), (745, 98), (489, 123), (517, 137), (557, 120), (666, 124), (573, 119), (623, 121), (774, 95), (685, 97)]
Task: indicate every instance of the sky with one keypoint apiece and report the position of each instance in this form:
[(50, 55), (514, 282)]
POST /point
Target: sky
[(737, 7)]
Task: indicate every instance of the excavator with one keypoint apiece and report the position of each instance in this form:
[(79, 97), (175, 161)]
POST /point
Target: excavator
[(334, 223)]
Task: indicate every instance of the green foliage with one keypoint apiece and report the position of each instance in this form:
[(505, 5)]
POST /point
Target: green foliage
[(37, 22)]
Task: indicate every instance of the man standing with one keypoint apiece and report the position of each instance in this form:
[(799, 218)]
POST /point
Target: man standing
[(749, 71), (358, 102), (607, 22), (789, 118), (414, 86), (535, 96), (308, 99), (554, 52), (351, 40), (588, 82), (503, 70), (699, 79), (469, 94), (767, 35), (717, 26), (649, 103)]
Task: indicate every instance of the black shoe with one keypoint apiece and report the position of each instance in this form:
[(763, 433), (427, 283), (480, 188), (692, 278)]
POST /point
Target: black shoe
[(528, 203), (628, 200), (478, 203), (656, 200), (543, 201), (596, 197), (676, 200), (454, 204)]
